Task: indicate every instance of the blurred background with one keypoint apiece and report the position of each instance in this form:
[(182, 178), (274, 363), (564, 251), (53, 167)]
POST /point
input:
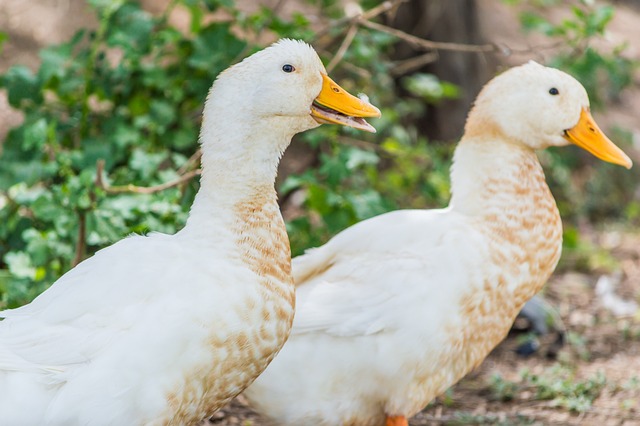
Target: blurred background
[(100, 105)]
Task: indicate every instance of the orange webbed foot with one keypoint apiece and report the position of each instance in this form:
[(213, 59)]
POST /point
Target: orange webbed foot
[(397, 421)]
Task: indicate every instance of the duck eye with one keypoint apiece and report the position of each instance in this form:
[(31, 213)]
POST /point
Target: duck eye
[(288, 68), (553, 91)]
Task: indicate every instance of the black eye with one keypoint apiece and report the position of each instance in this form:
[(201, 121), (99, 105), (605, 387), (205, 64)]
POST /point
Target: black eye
[(288, 68), (553, 91)]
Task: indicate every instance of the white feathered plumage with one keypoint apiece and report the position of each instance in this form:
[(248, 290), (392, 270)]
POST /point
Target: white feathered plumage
[(165, 329), (396, 309)]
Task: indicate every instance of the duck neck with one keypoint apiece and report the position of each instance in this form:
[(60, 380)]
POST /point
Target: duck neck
[(501, 186), (494, 176), (239, 165)]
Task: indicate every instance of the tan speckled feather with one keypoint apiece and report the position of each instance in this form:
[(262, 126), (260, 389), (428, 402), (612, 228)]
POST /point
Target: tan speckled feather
[(394, 310), (165, 329)]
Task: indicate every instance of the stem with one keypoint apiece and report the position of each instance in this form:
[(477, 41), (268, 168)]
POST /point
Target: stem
[(348, 39), (428, 44), (81, 244), (123, 189)]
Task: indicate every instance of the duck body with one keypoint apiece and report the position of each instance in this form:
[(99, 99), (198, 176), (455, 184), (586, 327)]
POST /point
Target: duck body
[(184, 324), (396, 309), (165, 329), (458, 282), (182, 359)]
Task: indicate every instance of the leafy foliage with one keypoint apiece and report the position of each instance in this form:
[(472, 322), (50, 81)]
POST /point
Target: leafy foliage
[(129, 93), (119, 93)]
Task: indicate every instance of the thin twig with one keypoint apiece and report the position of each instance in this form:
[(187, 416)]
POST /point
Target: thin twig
[(369, 14), (382, 8), (189, 163), (82, 237), (409, 65), (140, 189), (353, 30), (278, 7), (361, 72), (366, 74), (508, 51), (428, 44)]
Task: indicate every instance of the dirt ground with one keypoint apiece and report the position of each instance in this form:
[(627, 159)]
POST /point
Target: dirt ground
[(599, 340)]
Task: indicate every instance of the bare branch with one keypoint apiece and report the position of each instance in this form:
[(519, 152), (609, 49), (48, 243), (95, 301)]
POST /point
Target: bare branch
[(140, 189), (382, 8), (278, 7), (369, 14), (366, 74), (409, 65), (428, 44), (81, 244), (190, 162), (353, 30)]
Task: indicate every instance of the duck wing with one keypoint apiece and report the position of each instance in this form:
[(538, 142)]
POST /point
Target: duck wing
[(362, 281)]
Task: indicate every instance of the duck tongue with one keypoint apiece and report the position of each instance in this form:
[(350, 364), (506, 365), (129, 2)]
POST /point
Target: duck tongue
[(330, 116)]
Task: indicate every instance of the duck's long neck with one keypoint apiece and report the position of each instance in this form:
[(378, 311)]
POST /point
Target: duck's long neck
[(500, 185), (236, 210), (495, 176), (239, 166)]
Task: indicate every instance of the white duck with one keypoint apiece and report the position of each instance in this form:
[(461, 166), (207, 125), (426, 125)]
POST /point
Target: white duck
[(165, 329), (396, 309)]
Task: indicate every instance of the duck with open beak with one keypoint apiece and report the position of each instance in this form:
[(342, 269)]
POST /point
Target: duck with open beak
[(337, 106)]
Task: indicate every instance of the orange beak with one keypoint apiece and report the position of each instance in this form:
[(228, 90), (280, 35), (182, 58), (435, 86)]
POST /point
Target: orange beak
[(337, 106), (588, 136)]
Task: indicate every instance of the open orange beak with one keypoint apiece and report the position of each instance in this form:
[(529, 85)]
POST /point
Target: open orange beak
[(337, 106), (588, 136)]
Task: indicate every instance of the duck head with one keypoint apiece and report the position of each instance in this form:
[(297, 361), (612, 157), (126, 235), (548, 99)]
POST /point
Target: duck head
[(540, 107), (286, 84)]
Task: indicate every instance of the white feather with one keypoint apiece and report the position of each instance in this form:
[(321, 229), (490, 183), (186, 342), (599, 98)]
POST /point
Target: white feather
[(164, 329), (394, 310)]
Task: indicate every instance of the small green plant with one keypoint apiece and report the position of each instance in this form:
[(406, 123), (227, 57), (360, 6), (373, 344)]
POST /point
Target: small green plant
[(579, 254), (633, 383), (462, 418), (558, 385), (564, 390), (501, 389), (578, 344)]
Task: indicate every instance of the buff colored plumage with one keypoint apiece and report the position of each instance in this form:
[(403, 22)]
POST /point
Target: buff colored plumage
[(396, 309), (165, 329)]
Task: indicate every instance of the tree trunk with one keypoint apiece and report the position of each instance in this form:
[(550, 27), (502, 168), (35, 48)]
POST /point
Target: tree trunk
[(448, 21)]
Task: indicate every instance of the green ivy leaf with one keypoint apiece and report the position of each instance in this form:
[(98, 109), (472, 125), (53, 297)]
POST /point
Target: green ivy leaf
[(20, 265), (146, 163), (21, 85)]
